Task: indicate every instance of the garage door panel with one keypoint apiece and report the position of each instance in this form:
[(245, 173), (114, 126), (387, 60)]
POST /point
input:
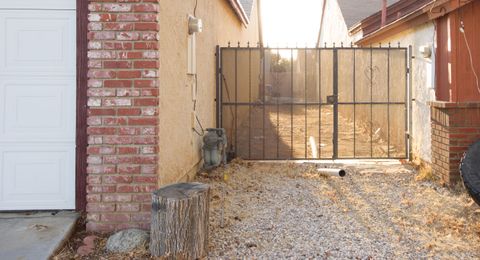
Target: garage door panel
[(37, 110), (37, 4), (37, 104), (36, 177), (37, 43)]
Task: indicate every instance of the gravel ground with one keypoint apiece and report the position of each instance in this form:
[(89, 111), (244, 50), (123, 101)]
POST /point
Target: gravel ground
[(379, 211)]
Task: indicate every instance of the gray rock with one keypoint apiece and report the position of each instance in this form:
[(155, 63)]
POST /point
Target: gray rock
[(127, 240)]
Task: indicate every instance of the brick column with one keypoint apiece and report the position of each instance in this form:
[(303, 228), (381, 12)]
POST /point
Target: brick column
[(122, 113), (455, 126)]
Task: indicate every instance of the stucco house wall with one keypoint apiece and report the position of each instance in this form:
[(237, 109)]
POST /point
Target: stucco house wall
[(341, 15), (179, 155), (423, 85), (334, 29)]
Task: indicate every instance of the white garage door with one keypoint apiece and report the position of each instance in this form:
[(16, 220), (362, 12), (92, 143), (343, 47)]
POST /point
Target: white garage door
[(37, 104)]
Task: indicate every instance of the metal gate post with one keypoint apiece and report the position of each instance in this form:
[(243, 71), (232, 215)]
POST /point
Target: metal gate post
[(218, 93), (410, 100), (335, 103)]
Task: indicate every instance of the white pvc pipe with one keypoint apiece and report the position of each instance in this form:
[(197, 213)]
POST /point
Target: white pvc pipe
[(313, 146), (332, 172)]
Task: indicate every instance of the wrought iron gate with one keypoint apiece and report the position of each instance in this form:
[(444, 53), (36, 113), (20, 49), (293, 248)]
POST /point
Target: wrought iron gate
[(314, 103)]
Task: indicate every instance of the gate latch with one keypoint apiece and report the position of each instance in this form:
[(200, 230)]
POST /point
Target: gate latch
[(332, 99)]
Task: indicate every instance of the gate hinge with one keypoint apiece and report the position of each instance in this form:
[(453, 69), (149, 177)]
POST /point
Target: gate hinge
[(408, 70)]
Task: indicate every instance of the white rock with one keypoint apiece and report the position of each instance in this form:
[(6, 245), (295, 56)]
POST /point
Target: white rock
[(127, 240)]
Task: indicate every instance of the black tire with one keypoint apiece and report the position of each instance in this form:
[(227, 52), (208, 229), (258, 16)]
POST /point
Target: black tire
[(470, 171)]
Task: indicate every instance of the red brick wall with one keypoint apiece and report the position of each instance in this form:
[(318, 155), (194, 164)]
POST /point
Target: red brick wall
[(455, 126), (122, 113)]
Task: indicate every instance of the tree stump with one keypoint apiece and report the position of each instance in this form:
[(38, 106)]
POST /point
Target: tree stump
[(179, 227)]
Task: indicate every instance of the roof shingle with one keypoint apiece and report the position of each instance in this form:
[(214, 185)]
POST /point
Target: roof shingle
[(247, 6), (354, 11)]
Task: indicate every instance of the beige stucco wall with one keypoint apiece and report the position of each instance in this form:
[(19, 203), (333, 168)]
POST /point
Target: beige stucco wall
[(334, 28), (179, 146), (423, 85)]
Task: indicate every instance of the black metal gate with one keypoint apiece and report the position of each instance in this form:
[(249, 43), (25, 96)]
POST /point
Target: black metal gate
[(314, 103)]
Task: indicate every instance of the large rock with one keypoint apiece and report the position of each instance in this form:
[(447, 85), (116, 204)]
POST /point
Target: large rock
[(127, 240)]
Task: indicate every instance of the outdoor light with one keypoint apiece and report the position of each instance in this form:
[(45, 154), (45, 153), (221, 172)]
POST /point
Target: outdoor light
[(195, 25), (426, 51)]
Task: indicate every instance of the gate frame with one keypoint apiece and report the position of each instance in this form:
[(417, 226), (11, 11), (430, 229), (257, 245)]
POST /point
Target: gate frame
[(409, 56)]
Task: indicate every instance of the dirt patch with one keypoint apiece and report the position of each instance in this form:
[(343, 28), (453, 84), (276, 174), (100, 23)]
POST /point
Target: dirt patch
[(287, 210), (307, 132)]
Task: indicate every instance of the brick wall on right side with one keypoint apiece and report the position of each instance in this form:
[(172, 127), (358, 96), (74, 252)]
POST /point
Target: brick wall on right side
[(455, 126)]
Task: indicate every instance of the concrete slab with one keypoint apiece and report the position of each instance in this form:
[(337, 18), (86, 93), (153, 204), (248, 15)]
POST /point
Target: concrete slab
[(25, 236)]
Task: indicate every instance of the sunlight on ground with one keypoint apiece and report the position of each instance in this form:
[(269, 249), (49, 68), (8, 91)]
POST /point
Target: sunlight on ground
[(291, 22)]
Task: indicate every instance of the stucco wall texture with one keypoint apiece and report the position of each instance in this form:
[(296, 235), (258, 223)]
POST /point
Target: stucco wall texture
[(334, 28), (180, 147), (423, 87)]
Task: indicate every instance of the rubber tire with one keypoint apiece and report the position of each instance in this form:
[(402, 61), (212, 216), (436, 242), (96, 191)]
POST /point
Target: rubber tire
[(470, 171)]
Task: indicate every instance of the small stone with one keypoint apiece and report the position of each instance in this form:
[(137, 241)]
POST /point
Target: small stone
[(127, 240), (85, 250), (88, 246), (90, 241)]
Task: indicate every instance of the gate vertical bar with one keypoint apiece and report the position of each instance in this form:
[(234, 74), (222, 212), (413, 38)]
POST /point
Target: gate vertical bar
[(218, 75), (388, 106), (264, 100), (291, 103), (319, 103), (408, 102), (278, 108), (354, 106), (305, 100), (335, 103), (250, 102), (371, 101), (236, 100)]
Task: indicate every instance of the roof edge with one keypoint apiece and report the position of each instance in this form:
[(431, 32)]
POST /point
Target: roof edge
[(426, 12), (240, 11), (393, 12), (366, 39)]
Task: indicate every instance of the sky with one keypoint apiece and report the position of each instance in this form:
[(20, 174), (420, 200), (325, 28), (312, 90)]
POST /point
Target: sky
[(291, 22)]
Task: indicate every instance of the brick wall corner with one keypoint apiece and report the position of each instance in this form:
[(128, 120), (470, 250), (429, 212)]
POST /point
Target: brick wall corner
[(455, 126)]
